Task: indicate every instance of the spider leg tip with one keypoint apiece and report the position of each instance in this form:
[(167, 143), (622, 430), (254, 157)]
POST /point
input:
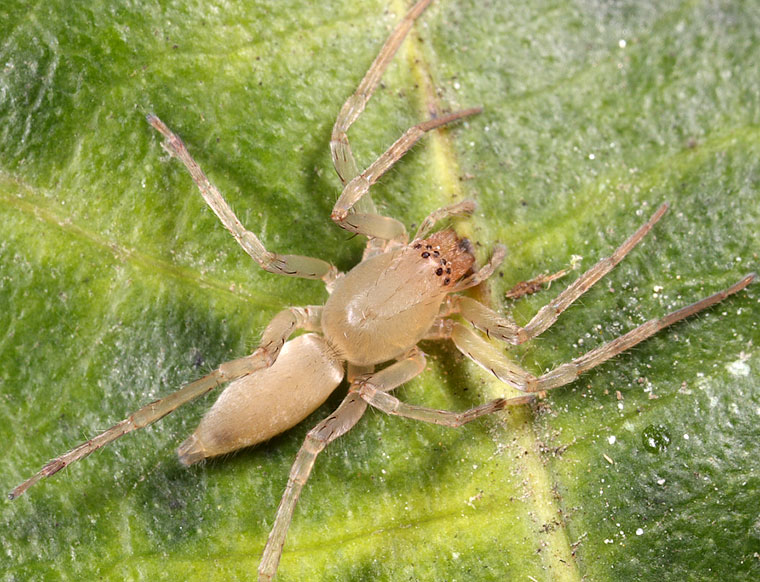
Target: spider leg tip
[(156, 123)]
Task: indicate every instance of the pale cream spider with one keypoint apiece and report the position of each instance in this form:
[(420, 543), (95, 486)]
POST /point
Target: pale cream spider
[(399, 294)]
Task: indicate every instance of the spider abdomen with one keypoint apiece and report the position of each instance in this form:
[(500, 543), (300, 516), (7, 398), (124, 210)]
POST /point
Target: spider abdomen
[(267, 402)]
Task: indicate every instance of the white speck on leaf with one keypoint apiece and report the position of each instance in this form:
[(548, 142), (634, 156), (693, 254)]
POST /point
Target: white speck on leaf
[(738, 368)]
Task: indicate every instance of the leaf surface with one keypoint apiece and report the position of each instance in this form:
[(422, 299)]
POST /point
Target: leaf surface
[(118, 285)]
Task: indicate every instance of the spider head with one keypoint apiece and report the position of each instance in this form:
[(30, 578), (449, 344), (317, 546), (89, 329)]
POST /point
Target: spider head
[(449, 256)]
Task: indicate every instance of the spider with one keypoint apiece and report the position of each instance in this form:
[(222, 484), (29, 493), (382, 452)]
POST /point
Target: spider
[(401, 292)]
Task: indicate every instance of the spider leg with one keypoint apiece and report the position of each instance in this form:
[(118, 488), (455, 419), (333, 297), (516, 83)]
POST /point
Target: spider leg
[(460, 208), (389, 404), (487, 356), (499, 252), (292, 265), (343, 157), (355, 211), (337, 424), (369, 223), (377, 246), (504, 329), (283, 324), (534, 285)]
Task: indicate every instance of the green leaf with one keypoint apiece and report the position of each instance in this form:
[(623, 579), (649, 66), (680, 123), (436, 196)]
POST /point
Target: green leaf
[(118, 285)]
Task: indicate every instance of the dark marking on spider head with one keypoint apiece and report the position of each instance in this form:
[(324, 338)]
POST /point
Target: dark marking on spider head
[(450, 257)]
